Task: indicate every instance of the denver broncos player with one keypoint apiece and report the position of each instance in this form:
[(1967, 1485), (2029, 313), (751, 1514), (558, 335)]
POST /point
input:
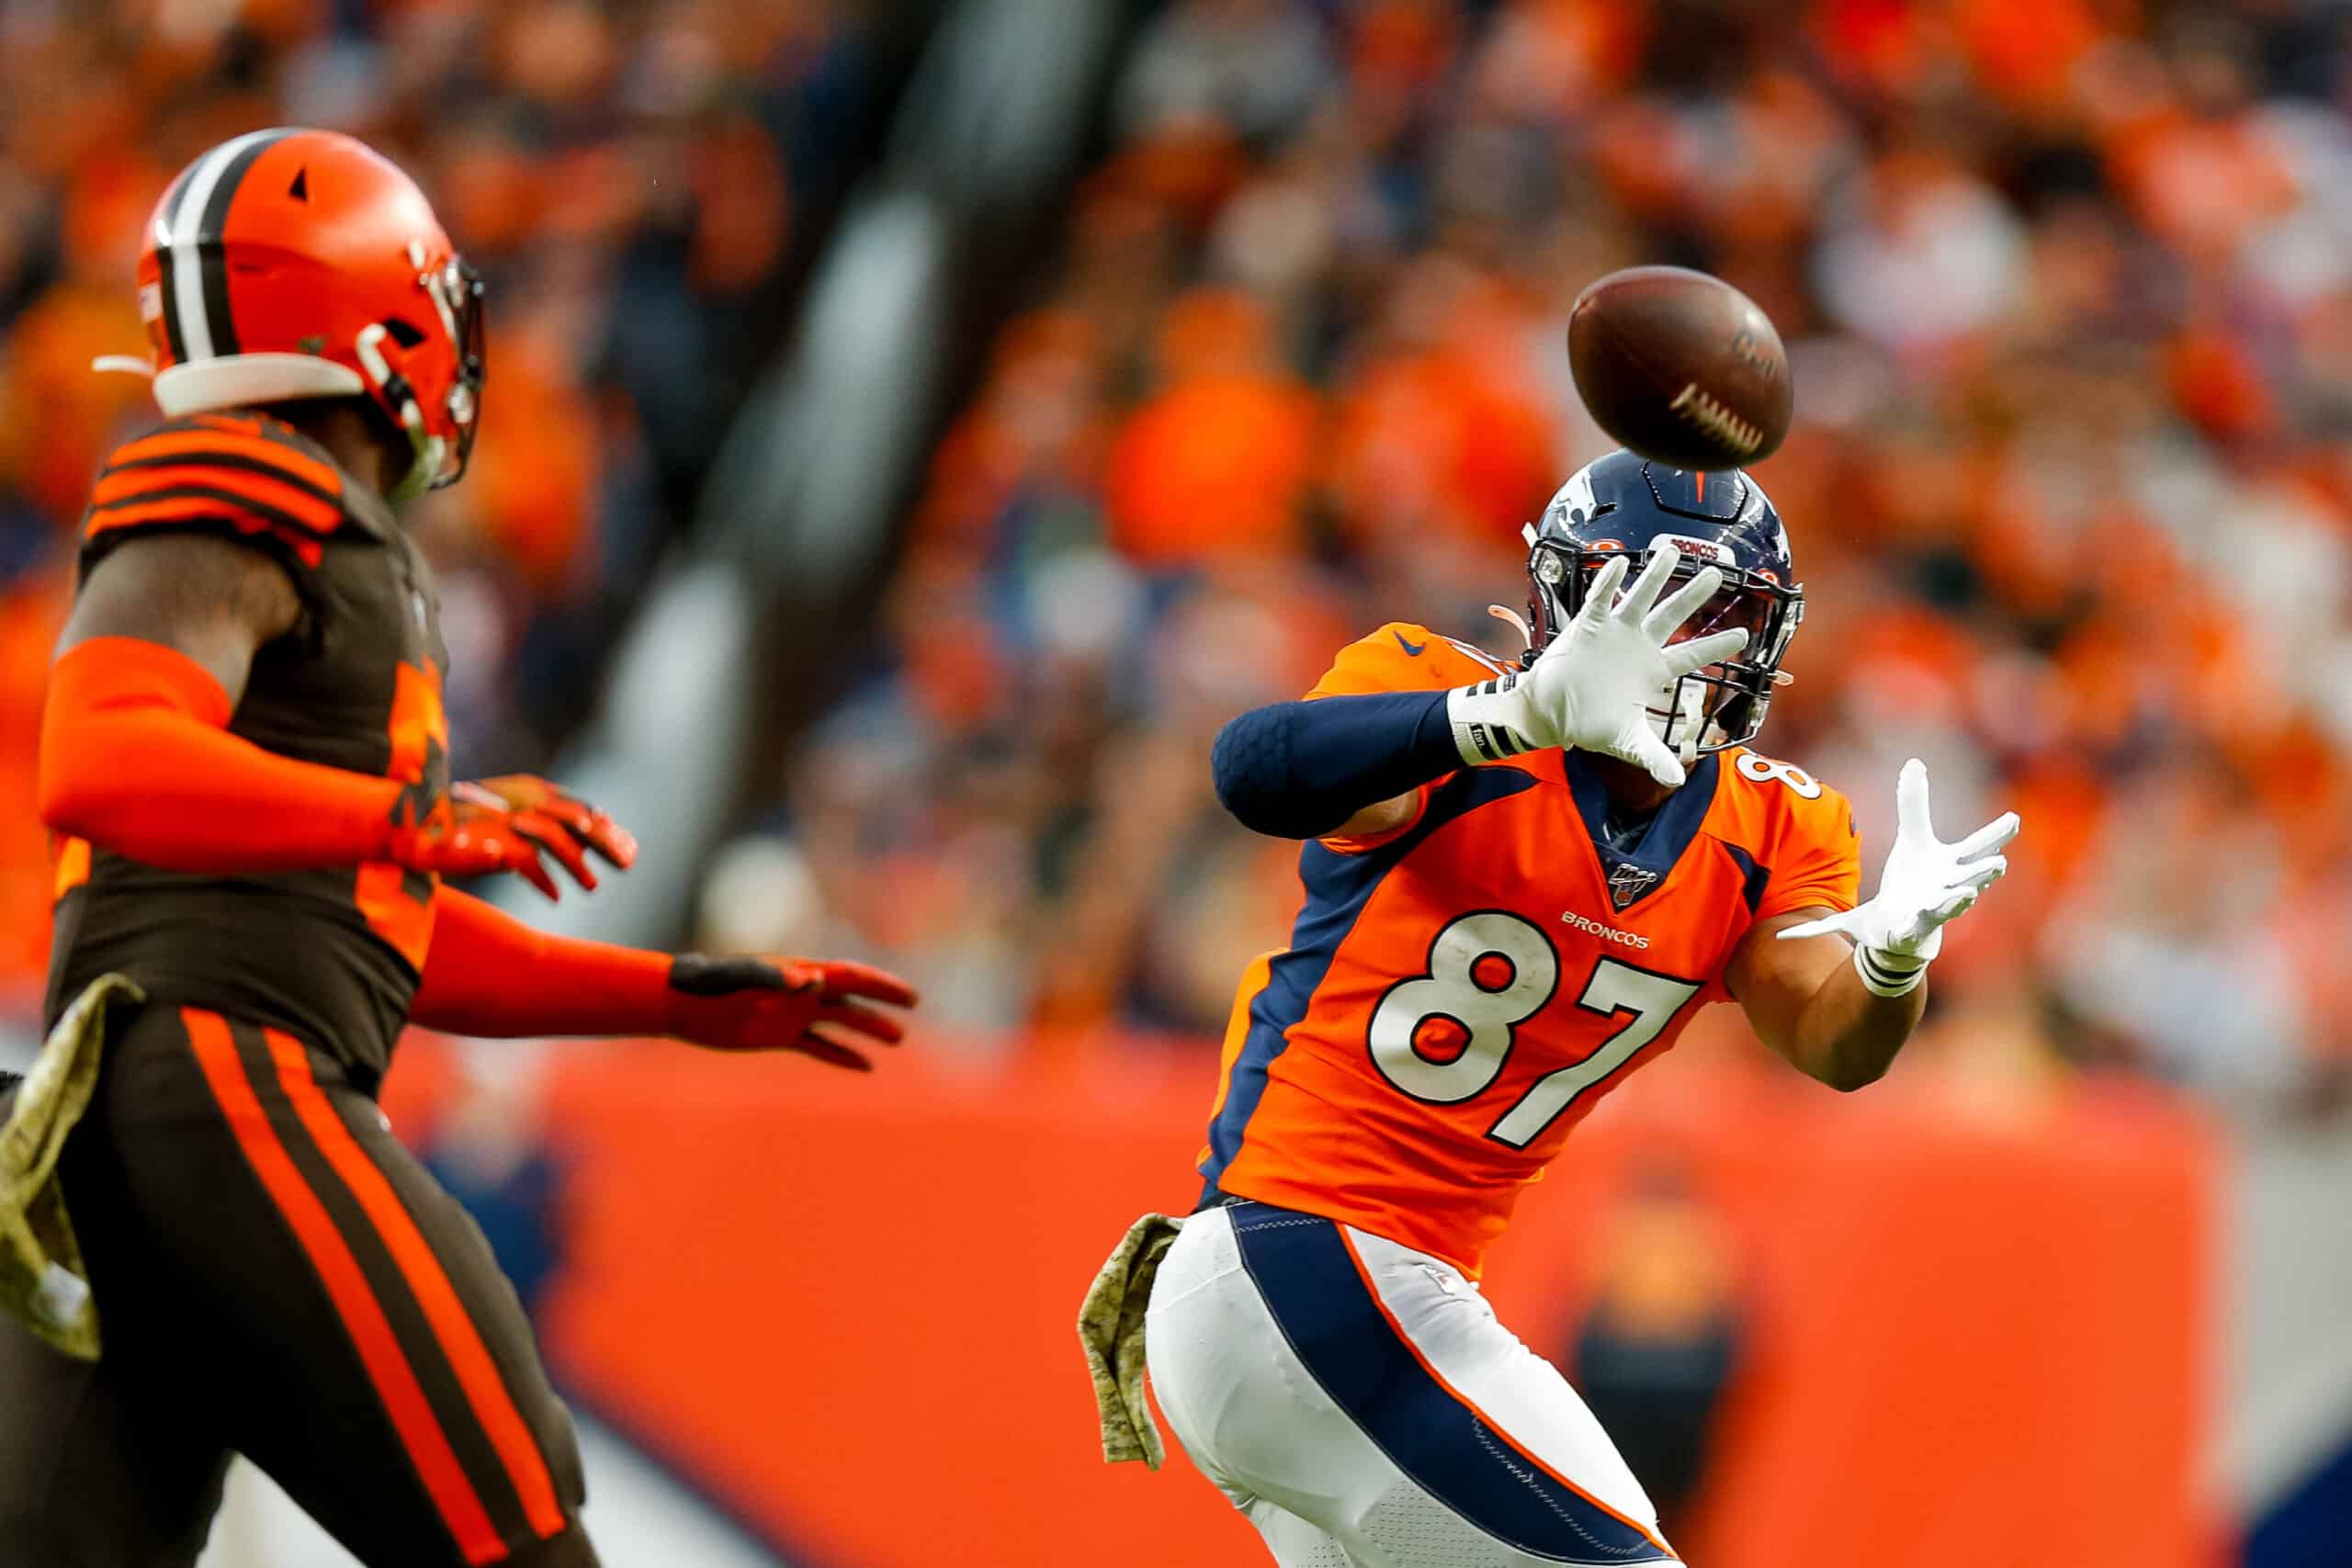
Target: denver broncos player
[(243, 760), (1521, 884)]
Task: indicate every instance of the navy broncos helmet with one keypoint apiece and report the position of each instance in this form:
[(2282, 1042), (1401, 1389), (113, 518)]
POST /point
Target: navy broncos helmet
[(1623, 504)]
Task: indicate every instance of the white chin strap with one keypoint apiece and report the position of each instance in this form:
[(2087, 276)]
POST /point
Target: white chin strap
[(1679, 716), (431, 450)]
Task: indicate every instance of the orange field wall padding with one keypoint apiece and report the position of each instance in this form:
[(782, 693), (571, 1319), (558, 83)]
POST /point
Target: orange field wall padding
[(1979, 1339)]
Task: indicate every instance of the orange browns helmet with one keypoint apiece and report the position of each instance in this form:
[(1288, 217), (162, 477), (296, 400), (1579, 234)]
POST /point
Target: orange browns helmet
[(302, 264)]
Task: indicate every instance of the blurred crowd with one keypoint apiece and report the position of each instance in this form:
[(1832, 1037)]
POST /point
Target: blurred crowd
[(628, 177), (2067, 286), (2068, 290)]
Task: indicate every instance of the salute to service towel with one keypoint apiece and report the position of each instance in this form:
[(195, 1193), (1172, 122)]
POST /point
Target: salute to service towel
[(42, 1280), (1110, 1326)]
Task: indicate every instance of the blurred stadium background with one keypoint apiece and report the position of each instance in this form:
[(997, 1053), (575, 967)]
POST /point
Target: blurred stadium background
[(914, 427)]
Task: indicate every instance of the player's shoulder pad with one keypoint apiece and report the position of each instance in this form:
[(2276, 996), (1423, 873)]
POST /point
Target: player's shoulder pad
[(1404, 657), (1773, 801), (246, 470)]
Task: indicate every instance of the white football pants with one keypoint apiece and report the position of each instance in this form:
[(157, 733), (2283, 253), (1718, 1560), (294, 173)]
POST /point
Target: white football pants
[(1360, 1403)]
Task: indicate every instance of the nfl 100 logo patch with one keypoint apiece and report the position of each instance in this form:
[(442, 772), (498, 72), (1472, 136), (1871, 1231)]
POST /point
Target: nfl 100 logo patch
[(1628, 882)]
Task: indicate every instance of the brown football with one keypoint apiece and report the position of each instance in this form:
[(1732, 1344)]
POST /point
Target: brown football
[(1680, 367)]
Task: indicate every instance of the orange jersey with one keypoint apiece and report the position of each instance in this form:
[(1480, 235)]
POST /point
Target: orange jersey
[(1460, 991)]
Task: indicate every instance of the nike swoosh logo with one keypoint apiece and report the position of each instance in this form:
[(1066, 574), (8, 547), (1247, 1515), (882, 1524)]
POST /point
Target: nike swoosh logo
[(1412, 649)]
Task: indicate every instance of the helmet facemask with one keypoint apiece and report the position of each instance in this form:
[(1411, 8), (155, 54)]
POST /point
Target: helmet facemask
[(456, 292), (1711, 710), (458, 296)]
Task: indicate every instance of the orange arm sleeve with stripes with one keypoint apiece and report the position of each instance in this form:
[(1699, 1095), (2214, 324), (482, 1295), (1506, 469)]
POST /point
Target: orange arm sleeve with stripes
[(135, 758), (487, 973)]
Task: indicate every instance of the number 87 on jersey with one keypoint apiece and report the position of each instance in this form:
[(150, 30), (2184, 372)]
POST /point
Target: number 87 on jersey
[(1460, 991)]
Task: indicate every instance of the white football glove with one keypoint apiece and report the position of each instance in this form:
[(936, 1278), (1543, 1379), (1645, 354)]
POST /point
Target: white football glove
[(1926, 884), (1592, 687)]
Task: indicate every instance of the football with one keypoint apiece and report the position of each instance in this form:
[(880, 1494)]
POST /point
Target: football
[(1680, 367)]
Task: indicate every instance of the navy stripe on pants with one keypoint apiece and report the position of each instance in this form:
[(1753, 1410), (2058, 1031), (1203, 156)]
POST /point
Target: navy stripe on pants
[(1303, 1270)]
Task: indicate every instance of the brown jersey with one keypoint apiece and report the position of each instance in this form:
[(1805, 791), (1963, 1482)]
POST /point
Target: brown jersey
[(330, 955)]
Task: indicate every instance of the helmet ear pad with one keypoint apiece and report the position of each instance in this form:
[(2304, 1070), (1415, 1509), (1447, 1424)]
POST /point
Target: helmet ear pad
[(1547, 611)]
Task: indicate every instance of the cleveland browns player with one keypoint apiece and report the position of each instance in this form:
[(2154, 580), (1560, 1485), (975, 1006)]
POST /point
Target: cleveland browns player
[(1520, 882), (242, 761)]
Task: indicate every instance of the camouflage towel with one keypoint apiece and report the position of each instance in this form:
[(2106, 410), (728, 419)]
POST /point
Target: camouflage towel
[(1110, 1326), (42, 1278)]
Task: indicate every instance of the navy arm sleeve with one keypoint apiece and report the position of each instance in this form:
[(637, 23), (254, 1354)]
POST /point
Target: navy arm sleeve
[(1300, 770)]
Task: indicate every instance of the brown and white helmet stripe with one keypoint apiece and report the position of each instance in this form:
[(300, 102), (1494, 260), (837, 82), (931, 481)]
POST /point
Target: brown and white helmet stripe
[(197, 321)]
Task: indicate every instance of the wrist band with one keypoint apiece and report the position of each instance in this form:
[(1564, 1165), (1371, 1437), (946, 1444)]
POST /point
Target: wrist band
[(1478, 733), (1884, 974)]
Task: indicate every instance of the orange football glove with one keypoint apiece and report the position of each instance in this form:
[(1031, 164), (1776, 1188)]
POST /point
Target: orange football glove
[(585, 825), (783, 1004), (504, 825)]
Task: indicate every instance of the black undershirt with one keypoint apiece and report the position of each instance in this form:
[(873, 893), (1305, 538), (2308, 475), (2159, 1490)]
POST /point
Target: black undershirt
[(1625, 830)]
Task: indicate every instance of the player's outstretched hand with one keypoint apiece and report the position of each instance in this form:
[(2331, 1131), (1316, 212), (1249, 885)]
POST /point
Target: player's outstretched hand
[(504, 825), (584, 827), (1926, 885), (785, 1004), (1591, 688)]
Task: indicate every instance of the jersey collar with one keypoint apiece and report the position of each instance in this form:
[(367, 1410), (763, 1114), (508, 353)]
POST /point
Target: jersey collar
[(1633, 875)]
